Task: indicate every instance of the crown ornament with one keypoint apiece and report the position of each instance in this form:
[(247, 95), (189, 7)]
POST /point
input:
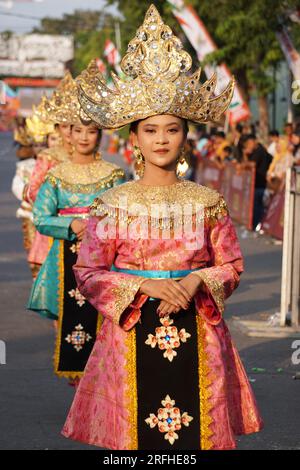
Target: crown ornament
[(63, 106), (38, 129), (38, 125), (158, 81), (22, 136)]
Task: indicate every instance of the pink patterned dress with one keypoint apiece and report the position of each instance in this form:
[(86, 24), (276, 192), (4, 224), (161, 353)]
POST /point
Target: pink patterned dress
[(176, 383), (46, 160)]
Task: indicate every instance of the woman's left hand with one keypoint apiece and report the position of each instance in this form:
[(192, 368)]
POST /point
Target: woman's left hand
[(191, 283)]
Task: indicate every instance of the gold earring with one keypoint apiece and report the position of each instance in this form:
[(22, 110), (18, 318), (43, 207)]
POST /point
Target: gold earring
[(182, 164), (72, 149), (59, 141), (97, 155), (139, 163)]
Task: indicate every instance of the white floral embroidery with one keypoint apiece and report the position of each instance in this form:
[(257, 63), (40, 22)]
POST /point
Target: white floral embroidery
[(75, 247), (169, 419), (78, 338), (167, 338), (79, 297)]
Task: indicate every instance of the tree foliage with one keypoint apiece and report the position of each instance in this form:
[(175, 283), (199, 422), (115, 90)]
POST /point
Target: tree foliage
[(243, 30), (89, 28)]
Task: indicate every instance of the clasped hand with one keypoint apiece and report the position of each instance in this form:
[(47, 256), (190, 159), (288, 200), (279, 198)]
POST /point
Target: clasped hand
[(174, 295), (78, 226)]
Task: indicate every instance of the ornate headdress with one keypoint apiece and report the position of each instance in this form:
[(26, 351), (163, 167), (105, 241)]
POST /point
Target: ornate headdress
[(63, 106), (38, 125), (38, 129), (160, 83), (22, 136)]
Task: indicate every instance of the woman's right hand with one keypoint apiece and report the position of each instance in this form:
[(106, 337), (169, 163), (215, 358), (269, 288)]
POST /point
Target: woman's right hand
[(168, 290), (78, 226)]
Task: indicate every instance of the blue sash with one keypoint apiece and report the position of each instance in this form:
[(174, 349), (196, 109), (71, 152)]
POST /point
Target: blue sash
[(152, 274)]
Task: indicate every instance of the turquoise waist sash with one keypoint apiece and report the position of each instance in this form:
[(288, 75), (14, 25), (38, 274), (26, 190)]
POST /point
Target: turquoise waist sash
[(152, 274)]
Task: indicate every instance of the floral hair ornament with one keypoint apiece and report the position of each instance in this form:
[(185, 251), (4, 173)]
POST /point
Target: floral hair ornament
[(158, 82)]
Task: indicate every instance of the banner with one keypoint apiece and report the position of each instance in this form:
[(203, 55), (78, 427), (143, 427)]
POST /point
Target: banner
[(273, 220), (112, 55), (203, 44), (101, 66), (238, 190), (29, 47), (209, 173), (291, 54), (9, 98), (237, 187), (35, 55)]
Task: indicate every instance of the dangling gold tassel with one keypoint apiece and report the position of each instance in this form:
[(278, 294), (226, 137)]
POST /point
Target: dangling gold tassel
[(139, 163)]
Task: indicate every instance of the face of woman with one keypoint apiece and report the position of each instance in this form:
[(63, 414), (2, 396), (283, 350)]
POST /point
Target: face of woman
[(160, 139), (65, 132), (85, 138), (53, 140)]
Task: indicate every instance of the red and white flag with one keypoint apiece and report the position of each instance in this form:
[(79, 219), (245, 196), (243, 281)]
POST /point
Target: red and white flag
[(295, 16), (112, 55), (101, 66), (203, 44), (291, 54)]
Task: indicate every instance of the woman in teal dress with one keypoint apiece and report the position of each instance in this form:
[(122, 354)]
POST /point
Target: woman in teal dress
[(61, 211)]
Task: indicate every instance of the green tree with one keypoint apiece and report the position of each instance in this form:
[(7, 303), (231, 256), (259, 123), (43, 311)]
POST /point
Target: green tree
[(89, 29)]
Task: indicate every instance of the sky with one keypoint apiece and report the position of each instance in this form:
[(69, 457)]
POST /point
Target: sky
[(39, 9)]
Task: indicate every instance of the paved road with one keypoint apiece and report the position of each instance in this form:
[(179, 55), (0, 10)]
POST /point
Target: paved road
[(34, 403)]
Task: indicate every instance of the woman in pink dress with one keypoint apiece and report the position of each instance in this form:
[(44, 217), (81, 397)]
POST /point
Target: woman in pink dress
[(56, 115), (159, 258)]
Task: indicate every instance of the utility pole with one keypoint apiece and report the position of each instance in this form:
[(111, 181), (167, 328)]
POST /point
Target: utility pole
[(118, 37)]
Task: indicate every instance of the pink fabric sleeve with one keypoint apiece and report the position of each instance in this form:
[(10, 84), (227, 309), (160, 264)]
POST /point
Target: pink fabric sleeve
[(41, 168), (115, 295), (222, 277)]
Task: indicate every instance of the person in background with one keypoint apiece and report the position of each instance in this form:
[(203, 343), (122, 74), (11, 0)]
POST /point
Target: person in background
[(288, 131), (282, 160), (238, 142), (220, 142), (24, 168), (255, 152), (227, 154), (61, 211), (203, 145), (273, 139)]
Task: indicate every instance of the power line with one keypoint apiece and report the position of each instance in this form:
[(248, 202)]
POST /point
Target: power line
[(19, 15)]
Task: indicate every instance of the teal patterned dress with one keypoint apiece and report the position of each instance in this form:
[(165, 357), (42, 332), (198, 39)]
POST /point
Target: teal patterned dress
[(68, 191)]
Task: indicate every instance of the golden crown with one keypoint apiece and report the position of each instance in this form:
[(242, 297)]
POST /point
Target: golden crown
[(160, 82), (38, 125), (22, 136), (63, 106), (37, 128)]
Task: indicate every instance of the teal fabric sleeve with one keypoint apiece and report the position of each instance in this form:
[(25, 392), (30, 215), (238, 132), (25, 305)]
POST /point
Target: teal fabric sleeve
[(45, 215)]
